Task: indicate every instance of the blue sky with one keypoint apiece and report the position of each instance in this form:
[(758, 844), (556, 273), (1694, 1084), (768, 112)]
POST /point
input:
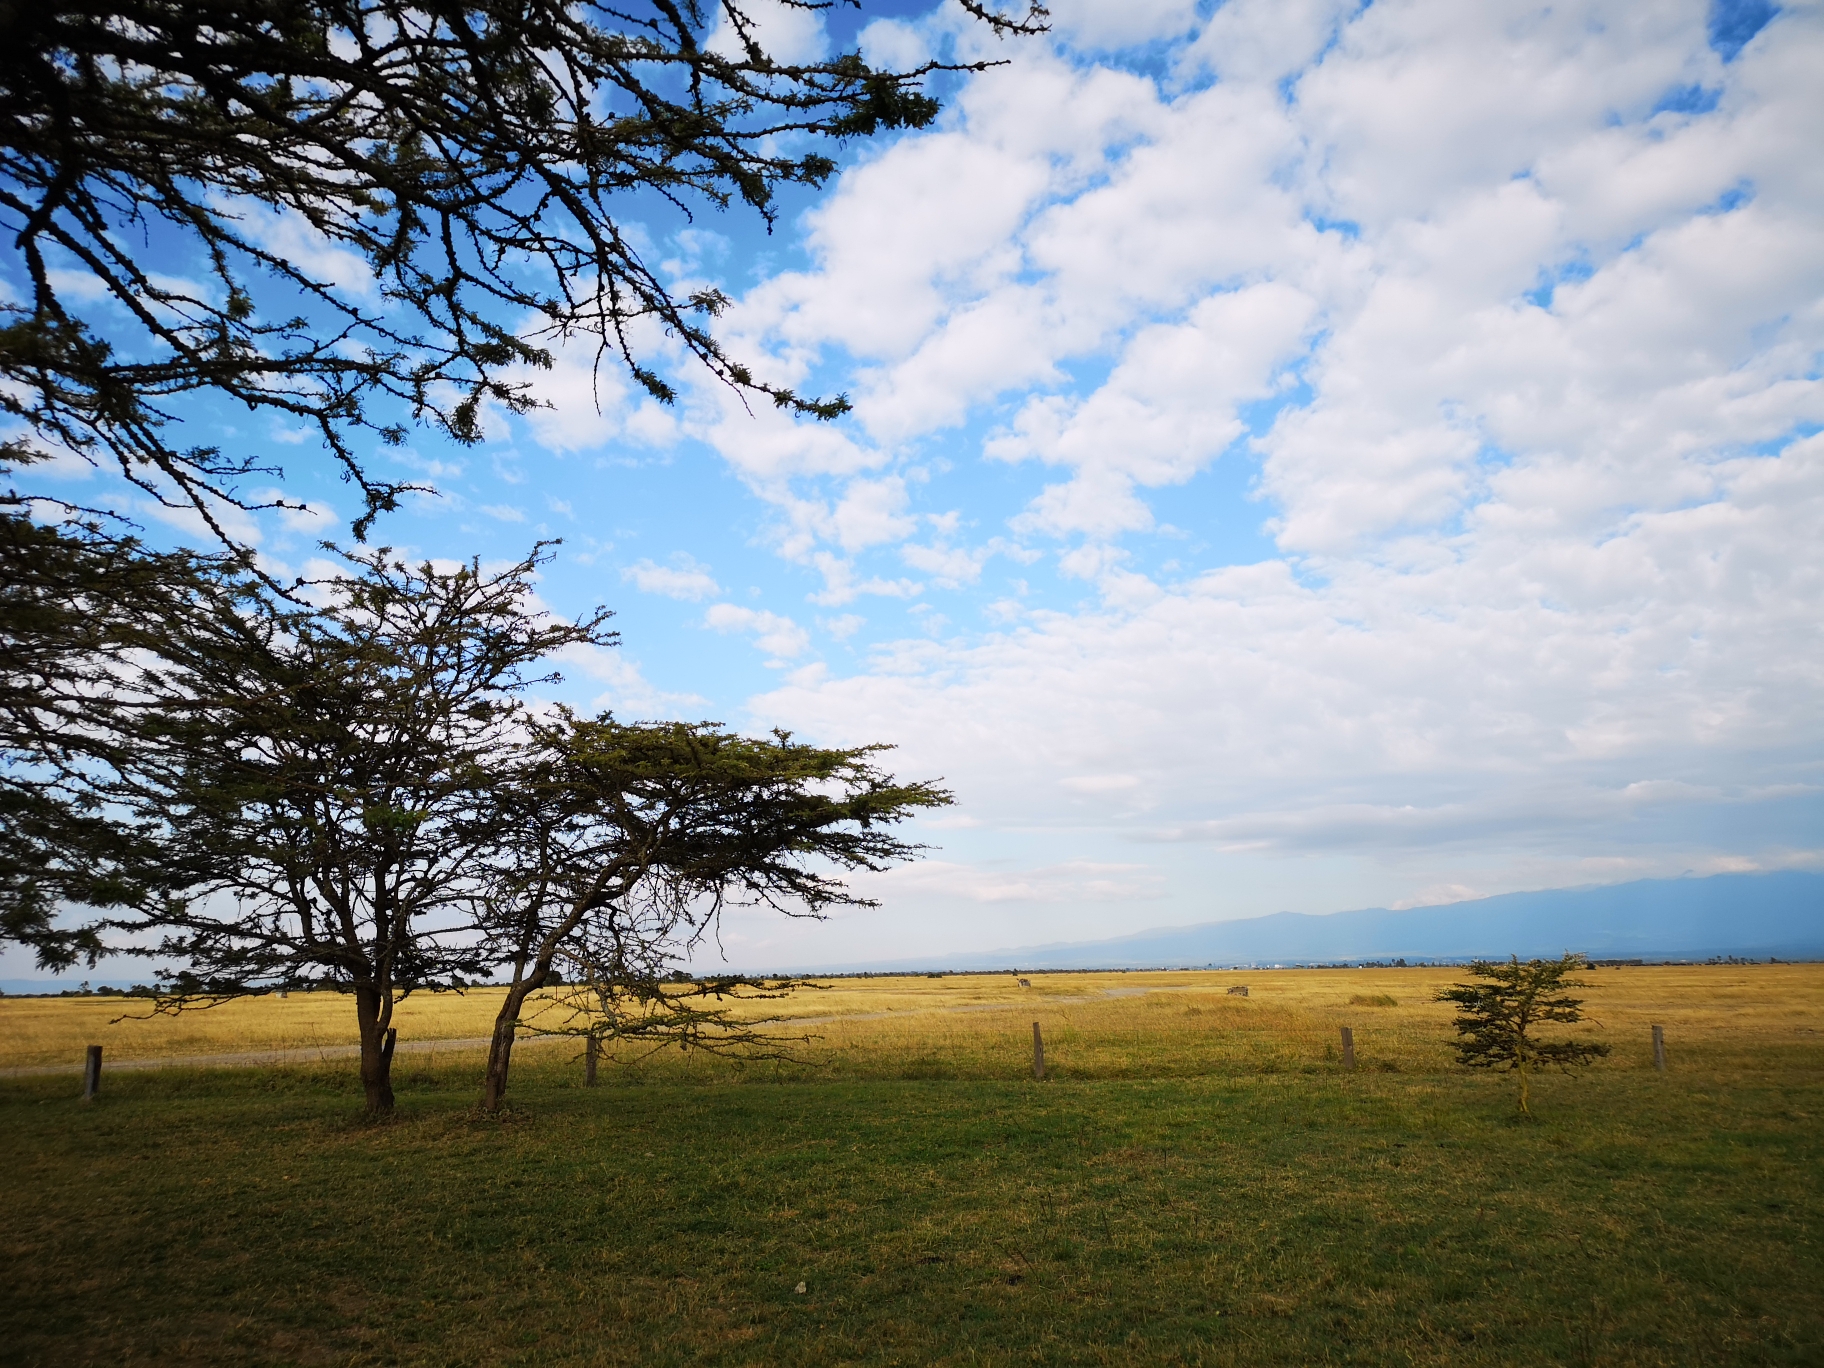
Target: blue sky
[(1305, 456)]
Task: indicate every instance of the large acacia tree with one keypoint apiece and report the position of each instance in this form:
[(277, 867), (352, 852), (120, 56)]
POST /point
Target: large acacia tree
[(330, 778), (621, 843)]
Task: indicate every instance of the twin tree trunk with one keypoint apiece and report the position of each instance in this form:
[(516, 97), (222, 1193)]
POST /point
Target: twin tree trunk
[(374, 1013), (500, 1048), (527, 980)]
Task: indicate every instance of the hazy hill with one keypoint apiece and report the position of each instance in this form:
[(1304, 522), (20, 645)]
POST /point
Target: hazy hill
[(1752, 915)]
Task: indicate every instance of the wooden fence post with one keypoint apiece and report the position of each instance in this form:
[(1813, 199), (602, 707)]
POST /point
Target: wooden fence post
[(1348, 1048), (591, 1052), (1038, 1052), (1659, 1048), (91, 1074)]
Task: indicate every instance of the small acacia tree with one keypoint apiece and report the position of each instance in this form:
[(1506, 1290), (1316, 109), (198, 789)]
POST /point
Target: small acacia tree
[(1501, 1012), (621, 844)]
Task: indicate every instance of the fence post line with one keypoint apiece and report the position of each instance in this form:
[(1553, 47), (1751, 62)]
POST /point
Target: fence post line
[(91, 1074), (1038, 1052), (1348, 1048), (1659, 1048), (591, 1053)]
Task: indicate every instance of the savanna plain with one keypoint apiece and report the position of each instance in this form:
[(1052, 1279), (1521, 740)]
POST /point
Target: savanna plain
[(1197, 1180)]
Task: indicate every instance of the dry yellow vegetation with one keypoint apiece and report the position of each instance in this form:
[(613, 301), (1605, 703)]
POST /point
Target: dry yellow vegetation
[(1164, 1024)]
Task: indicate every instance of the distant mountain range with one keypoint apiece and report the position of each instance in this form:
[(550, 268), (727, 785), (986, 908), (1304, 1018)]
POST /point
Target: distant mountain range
[(1755, 916)]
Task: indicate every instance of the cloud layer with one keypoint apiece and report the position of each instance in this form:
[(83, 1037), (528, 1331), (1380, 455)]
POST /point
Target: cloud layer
[(1304, 455), (1516, 315)]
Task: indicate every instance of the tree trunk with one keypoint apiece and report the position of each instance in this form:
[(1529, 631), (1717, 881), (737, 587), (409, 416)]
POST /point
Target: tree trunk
[(500, 1049), (376, 1051)]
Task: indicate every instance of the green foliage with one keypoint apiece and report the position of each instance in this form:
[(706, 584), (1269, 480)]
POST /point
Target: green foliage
[(471, 160), (323, 776), (1501, 1012), (81, 609)]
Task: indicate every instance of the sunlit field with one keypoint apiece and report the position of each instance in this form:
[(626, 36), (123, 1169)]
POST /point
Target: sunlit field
[(1196, 1181), (1096, 1025)]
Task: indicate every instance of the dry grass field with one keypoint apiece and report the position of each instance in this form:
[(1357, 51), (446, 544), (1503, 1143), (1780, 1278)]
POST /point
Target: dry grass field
[(1196, 1182), (1096, 1025)]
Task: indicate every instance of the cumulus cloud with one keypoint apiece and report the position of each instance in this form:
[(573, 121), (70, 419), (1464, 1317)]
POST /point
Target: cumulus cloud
[(1511, 314), (623, 687), (778, 636), (685, 578)]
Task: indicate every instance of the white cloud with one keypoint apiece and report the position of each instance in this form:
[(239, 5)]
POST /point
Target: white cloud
[(841, 585), (1168, 409), (1519, 696), (626, 690), (684, 578), (785, 33), (1261, 41), (1067, 881), (778, 636), (291, 237), (1095, 24), (949, 566)]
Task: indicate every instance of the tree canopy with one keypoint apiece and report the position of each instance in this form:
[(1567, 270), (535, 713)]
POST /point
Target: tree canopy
[(622, 842), (329, 775), (352, 788), (376, 213), (79, 617), (361, 216)]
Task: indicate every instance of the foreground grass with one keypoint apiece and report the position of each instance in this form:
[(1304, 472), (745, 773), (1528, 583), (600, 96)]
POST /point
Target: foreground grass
[(1196, 1182), (251, 1217)]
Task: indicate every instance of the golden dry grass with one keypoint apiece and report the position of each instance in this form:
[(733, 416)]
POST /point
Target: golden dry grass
[(1095, 1024)]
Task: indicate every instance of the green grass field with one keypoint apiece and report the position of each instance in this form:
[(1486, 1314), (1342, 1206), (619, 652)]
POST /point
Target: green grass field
[(1197, 1183)]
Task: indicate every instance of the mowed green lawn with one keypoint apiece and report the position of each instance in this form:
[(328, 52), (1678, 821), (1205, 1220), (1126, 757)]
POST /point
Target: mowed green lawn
[(250, 1217)]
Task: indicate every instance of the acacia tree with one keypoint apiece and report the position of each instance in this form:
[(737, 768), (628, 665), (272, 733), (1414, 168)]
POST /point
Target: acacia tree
[(323, 772), (1501, 1012), (624, 842), (473, 159)]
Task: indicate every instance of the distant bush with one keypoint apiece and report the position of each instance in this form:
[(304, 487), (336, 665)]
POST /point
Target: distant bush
[(1373, 1000)]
